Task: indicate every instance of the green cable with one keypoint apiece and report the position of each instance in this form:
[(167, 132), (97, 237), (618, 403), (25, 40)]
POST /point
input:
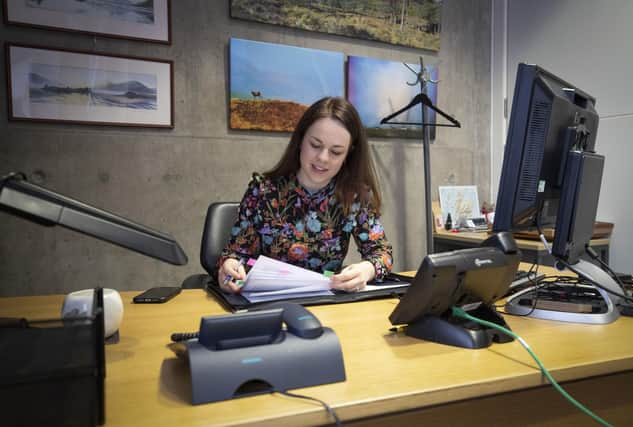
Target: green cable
[(459, 312)]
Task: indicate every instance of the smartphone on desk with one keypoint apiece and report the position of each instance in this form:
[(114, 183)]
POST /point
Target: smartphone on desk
[(156, 295)]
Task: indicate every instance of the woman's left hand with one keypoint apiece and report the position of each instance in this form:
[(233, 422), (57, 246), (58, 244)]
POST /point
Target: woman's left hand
[(354, 277)]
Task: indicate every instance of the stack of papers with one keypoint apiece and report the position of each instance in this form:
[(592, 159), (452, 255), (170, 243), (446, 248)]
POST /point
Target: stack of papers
[(270, 279)]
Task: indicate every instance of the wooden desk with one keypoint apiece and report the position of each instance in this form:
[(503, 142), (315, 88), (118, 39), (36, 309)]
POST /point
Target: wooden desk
[(533, 251), (391, 379)]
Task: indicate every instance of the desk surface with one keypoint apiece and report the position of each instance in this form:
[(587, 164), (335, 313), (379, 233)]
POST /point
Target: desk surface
[(386, 372), (478, 237)]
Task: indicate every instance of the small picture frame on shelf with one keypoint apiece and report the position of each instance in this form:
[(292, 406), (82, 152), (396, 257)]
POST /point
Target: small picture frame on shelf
[(133, 20), (461, 202), (59, 85)]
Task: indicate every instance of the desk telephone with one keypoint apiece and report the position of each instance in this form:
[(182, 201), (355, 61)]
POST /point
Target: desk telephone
[(240, 354)]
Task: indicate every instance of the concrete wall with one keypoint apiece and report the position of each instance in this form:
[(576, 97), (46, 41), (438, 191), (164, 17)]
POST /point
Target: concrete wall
[(165, 179)]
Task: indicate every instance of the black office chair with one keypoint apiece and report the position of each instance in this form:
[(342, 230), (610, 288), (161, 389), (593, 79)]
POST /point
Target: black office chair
[(217, 228)]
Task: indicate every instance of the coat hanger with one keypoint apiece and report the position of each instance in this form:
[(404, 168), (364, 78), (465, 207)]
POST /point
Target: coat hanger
[(422, 78), (422, 98)]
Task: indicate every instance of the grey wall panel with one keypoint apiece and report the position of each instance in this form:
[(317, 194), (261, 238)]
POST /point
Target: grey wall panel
[(616, 198), (586, 41)]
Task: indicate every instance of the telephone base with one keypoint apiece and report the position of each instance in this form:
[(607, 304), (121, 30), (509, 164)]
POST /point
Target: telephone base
[(288, 363)]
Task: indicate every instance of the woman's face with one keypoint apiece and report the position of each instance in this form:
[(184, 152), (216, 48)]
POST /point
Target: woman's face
[(323, 150)]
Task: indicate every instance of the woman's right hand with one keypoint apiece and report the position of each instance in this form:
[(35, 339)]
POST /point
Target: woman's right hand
[(231, 271)]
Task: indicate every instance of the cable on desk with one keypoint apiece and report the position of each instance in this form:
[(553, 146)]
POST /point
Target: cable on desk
[(536, 284), (459, 312), (541, 235), (594, 283), (184, 336), (591, 253), (554, 284), (327, 407), (534, 303), (605, 267)]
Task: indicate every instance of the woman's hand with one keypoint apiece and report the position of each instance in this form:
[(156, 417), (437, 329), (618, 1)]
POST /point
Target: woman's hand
[(230, 271), (354, 277)]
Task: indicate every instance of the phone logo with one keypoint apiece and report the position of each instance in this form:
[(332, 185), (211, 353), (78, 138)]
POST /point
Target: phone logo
[(480, 262), (251, 360)]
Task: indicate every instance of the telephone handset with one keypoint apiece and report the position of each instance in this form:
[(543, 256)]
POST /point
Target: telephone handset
[(299, 320), (262, 326)]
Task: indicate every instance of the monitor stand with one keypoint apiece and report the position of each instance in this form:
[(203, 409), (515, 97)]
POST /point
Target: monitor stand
[(586, 270)]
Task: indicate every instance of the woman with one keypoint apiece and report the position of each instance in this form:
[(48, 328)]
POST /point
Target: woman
[(304, 211)]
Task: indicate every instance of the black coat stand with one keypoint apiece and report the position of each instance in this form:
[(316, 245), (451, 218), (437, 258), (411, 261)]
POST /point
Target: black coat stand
[(425, 102)]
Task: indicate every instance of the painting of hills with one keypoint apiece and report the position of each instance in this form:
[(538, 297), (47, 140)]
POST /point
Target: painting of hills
[(412, 23), (81, 86), (137, 11)]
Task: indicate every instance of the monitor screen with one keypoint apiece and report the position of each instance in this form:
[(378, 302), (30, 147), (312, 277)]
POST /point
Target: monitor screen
[(46, 207), (549, 118)]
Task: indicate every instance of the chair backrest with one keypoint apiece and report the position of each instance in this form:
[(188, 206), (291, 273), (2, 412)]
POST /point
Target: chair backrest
[(217, 230)]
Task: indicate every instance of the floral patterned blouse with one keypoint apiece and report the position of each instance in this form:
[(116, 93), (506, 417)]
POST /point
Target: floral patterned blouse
[(279, 218)]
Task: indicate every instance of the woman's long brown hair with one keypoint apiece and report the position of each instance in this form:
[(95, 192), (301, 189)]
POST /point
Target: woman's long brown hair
[(357, 177)]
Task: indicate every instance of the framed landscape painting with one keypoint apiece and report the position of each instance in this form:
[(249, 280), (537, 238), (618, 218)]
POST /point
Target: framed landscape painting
[(378, 88), (272, 85), (146, 20), (412, 23), (55, 85)]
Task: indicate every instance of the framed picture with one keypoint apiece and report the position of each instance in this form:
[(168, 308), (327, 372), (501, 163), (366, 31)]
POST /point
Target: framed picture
[(409, 23), (378, 88), (272, 85), (461, 202), (56, 85), (146, 20)]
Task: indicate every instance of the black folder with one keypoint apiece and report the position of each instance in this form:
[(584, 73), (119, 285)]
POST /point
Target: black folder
[(235, 302)]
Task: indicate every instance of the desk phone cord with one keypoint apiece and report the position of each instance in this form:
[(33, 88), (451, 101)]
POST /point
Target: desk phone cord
[(459, 312), (183, 336)]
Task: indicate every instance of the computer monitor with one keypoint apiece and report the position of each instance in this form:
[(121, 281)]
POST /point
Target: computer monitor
[(551, 177), (549, 118), (46, 207), (471, 278)]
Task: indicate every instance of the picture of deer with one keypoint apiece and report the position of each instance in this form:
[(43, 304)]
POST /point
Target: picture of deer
[(272, 85)]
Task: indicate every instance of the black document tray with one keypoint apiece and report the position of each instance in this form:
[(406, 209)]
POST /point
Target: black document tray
[(236, 302), (52, 371)]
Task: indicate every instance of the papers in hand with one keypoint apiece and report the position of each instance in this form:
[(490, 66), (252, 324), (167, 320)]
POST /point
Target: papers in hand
[(270, 279)]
